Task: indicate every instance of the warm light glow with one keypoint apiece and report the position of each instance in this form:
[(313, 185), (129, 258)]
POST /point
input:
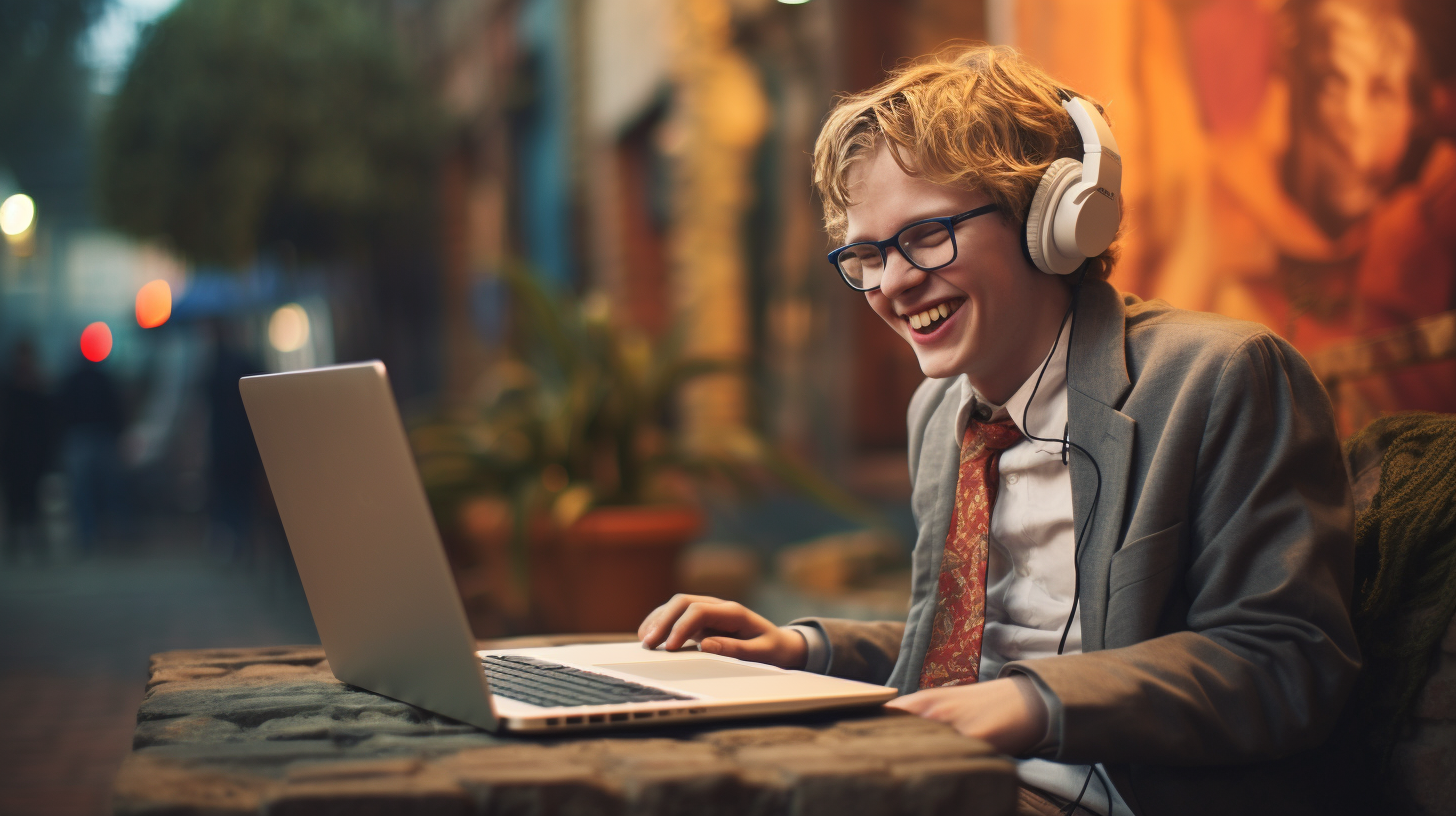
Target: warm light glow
[(288, 328), (793, 2), (96, 342), (17, 214), (153, 304)]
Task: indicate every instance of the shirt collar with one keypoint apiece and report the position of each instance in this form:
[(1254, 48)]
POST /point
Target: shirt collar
[(1047, 416)]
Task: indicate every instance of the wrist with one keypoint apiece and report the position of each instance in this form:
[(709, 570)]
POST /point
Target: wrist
[(1033, 730), (795, 648)]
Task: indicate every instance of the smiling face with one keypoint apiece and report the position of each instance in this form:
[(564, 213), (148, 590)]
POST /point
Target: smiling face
[(1001, 313)]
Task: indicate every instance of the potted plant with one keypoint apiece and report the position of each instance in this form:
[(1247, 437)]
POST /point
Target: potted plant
[(567, 479)]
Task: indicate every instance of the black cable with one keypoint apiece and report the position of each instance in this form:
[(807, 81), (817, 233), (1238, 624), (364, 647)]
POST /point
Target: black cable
[(1106, 786), (1067, 442), (1071, 807)]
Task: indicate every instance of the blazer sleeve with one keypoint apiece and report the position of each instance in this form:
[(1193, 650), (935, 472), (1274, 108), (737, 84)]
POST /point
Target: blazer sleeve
[(868, 650), (859, 650), (1266, 654)]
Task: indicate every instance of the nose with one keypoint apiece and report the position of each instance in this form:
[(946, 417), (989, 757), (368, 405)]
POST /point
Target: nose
[(900, 275)]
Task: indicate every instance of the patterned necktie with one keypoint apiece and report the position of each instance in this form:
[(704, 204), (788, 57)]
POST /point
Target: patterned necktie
[(954, 656)]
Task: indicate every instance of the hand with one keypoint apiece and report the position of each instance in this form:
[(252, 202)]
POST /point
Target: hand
[(1008, 713), (722, 627)]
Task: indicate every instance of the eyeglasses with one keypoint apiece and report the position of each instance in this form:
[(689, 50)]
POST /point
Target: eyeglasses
[(928, 245)]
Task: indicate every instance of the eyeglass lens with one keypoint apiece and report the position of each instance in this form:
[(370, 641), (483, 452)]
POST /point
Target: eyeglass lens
[(927, 245)]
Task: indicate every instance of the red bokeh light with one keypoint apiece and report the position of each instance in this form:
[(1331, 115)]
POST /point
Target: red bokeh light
[(96, 341), (153, 304)]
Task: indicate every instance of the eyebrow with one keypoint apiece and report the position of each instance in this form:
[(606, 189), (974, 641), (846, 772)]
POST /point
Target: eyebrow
[(902, 225)]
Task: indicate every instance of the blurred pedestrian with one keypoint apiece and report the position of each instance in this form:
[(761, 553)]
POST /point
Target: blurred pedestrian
[(234, 469), (27, 441), (90, 407)]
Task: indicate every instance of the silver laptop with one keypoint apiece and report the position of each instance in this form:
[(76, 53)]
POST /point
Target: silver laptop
[(387, 611)]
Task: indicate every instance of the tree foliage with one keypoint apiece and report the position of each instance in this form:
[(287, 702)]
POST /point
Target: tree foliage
[(43, 87), (248, 126)]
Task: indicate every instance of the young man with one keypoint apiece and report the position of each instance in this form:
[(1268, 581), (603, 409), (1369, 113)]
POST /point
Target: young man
[(1147, 615)]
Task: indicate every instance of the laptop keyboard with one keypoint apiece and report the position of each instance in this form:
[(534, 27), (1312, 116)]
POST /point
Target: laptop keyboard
[(542, 683)]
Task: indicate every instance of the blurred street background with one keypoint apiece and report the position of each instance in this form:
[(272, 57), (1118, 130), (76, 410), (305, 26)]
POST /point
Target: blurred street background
[(581, 235), (197, 191)]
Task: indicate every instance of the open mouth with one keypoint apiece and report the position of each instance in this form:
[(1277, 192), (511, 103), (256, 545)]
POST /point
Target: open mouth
[(929, 320)]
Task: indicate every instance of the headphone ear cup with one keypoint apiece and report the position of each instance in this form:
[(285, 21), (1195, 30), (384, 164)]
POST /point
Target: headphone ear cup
[(1040, 217)]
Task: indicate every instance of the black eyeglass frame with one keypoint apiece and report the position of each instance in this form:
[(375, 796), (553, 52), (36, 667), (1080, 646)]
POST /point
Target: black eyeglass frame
[(948, 221)]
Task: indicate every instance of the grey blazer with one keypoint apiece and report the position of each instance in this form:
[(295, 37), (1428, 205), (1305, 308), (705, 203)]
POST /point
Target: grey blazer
[(1215, 575)]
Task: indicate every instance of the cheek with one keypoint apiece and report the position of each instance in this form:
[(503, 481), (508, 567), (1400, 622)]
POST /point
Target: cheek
[(884, 309)]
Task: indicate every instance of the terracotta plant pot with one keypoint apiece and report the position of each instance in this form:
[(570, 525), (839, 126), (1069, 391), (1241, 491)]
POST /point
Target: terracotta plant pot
[(496, 601), (621, 563)]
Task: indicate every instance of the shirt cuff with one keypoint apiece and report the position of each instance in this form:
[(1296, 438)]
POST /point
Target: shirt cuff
[(816, 655), (1051, 740)]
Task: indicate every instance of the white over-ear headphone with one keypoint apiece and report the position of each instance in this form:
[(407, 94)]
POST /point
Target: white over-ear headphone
[(1074, 213)]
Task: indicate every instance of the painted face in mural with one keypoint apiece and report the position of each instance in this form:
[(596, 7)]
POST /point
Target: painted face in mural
[(1002, 313), (1354, 127)]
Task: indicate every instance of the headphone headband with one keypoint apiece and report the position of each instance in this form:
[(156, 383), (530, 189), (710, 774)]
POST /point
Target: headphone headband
[(1101, 162)]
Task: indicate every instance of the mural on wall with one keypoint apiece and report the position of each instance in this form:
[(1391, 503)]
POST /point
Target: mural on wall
[(1291, 162)]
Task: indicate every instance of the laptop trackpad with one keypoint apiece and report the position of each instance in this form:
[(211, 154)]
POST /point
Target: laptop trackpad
[(688, 669)]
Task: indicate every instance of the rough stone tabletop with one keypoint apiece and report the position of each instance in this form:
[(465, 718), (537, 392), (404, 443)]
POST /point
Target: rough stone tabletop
[(272, 731)]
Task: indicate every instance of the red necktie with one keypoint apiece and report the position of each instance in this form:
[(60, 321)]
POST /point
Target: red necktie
[(954, 656)]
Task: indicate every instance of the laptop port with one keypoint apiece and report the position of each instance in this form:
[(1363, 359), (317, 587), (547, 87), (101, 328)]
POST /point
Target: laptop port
[(697, 710), (619, 717), (641, 715), (573, 721), (553, 721), (596, 718)]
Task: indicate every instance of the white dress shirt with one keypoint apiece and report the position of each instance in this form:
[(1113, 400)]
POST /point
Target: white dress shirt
[(1030, 580), (1030, 572)]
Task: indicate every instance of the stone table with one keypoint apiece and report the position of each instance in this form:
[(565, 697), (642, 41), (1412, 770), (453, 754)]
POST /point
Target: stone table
[(272, 731)]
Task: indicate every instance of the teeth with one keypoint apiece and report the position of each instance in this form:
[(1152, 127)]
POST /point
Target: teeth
[(929, 316)]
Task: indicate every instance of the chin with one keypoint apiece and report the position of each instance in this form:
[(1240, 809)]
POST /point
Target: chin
[(936, 365)]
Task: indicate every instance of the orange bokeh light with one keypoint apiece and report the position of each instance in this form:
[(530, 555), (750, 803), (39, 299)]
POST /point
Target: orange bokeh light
[(96, 341), (153, 304)]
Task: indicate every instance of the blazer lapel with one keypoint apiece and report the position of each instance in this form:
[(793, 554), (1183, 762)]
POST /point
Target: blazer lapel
[(1097, 384)]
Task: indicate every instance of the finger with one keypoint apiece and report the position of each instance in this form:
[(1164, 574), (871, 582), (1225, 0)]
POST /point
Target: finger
[(690, 625), (646, 625), (911, 703), (759, 649), (659, 622), (921, 703), (722, 617), (651, 623)]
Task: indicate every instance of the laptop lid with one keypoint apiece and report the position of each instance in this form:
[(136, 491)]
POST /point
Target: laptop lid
[(364, 539)]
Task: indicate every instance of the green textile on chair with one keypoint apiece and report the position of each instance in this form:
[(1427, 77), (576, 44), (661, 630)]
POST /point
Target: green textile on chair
[(1405, 567)]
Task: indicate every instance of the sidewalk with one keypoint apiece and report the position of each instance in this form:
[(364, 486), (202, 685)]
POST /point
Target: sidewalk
[(74, 645)]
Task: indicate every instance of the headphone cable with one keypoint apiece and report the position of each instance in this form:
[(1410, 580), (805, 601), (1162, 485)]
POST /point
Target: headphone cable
[(1066, 441)]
